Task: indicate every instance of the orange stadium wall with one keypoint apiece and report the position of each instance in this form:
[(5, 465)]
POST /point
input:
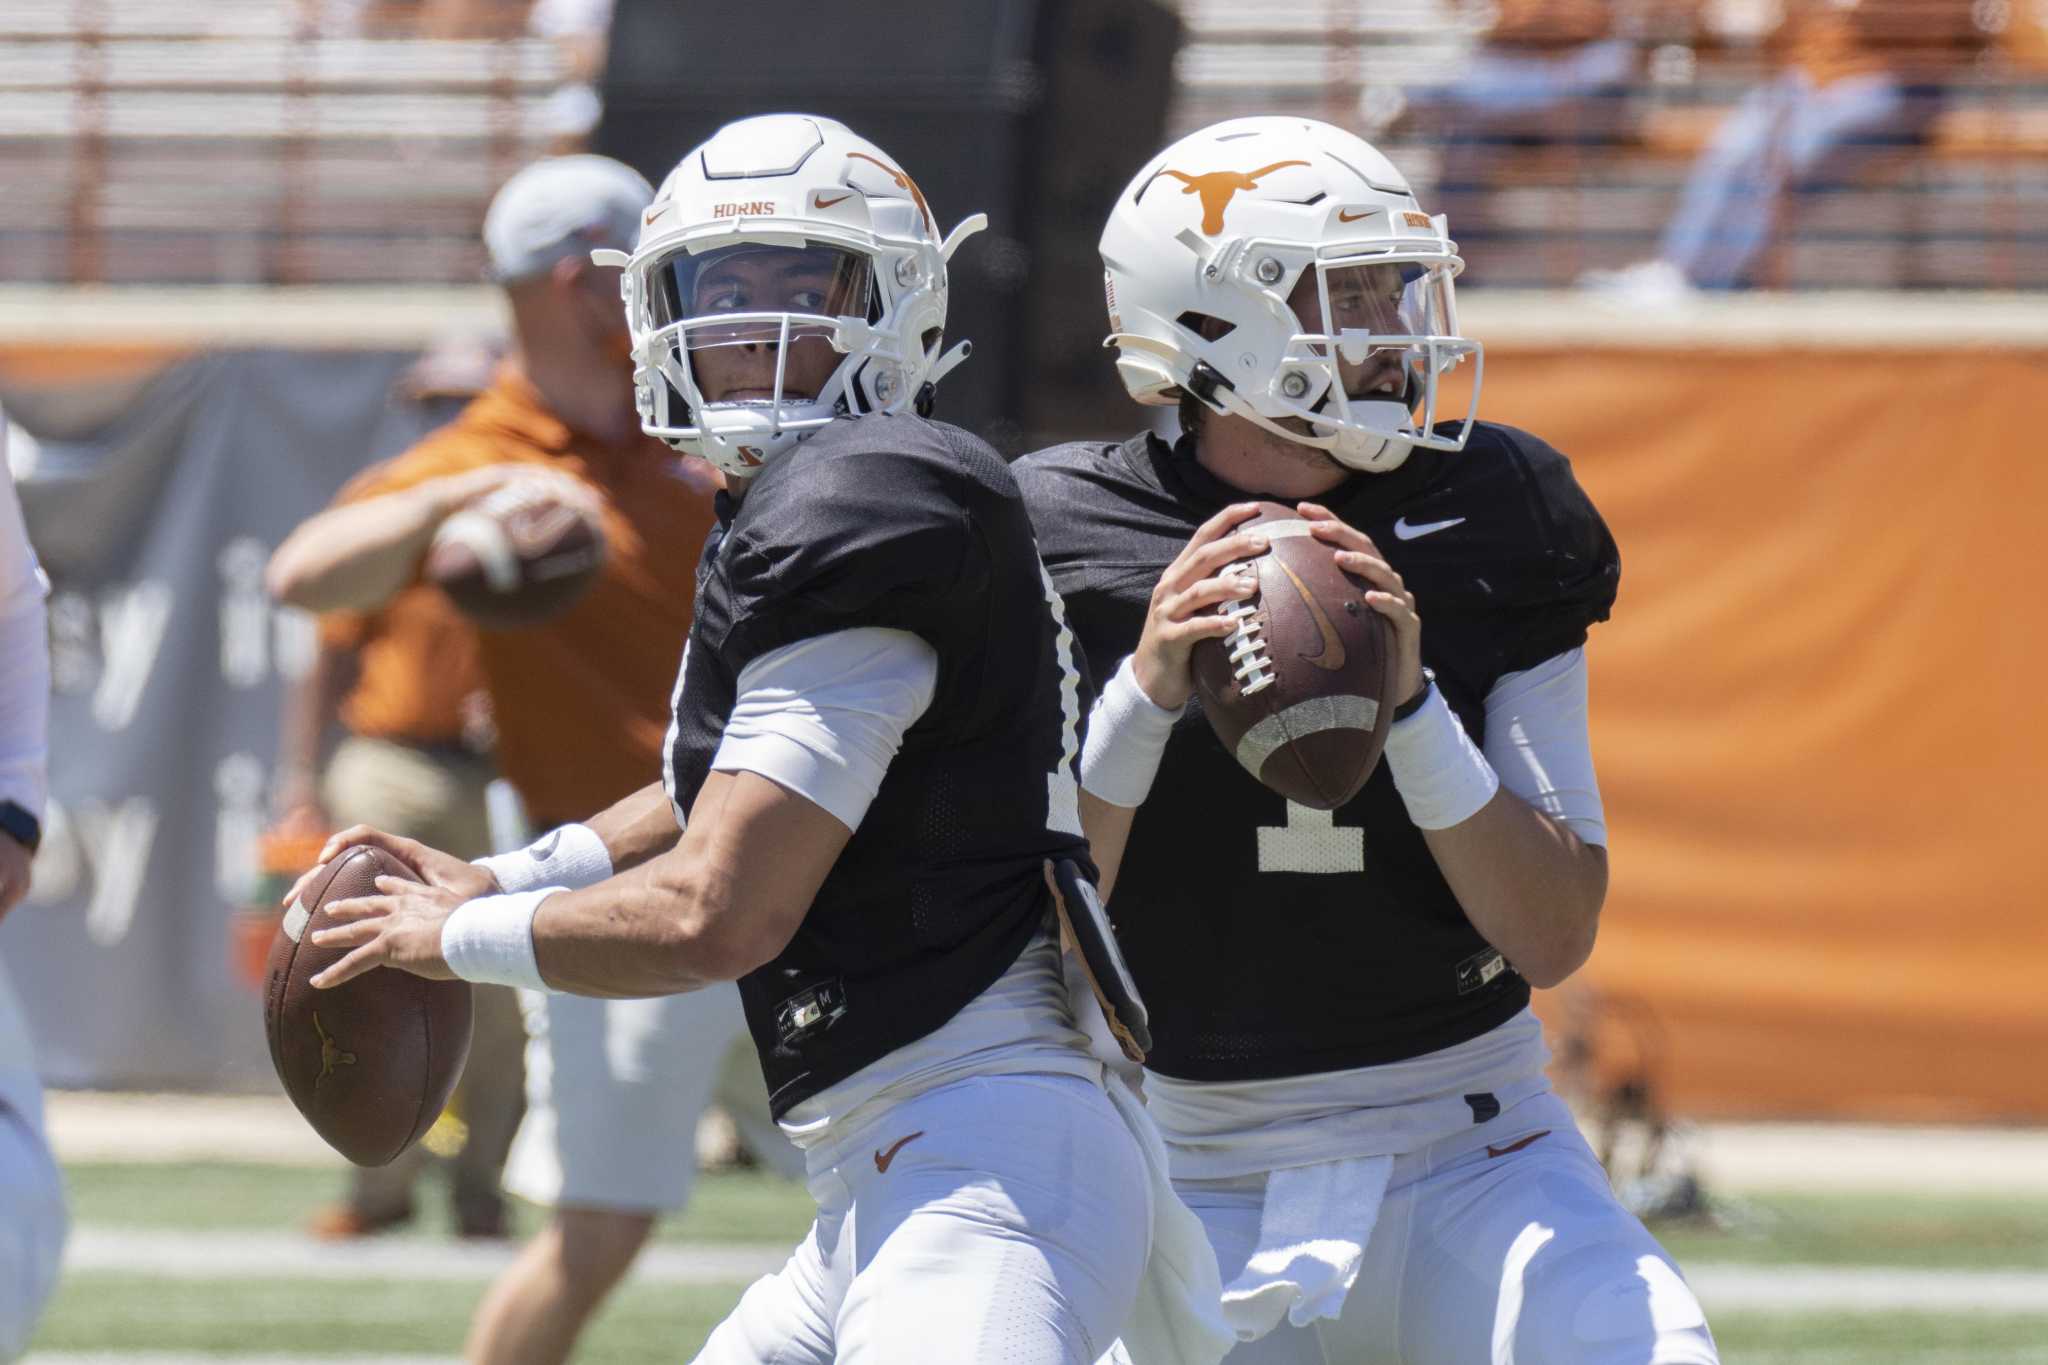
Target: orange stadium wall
[(1818, 716), (1816, 712)]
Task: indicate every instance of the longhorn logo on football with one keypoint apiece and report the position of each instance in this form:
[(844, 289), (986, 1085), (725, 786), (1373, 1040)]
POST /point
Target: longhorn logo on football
[(1218, 188), (331, 1055)]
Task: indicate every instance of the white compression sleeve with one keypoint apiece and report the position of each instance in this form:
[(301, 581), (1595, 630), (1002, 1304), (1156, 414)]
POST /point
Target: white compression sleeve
[(824, 717), (1537, 740), (569, 856), (1127, 734), (490, 939), (1443, 778)]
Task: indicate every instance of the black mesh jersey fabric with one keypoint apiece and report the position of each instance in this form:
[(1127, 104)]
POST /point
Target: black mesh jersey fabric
[(1273, 940), (907, 524)]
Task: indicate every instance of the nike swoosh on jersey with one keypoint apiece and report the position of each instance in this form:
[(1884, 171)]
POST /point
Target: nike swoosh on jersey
[(883, 1159), (1516, 1146), (1330, 657), (1404, 530)]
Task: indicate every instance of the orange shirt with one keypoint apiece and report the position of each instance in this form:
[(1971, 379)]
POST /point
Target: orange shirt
[(581, 703), (418, 678)]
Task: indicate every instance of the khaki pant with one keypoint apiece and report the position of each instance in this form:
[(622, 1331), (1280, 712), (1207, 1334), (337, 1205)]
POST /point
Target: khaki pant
[(437, 797)]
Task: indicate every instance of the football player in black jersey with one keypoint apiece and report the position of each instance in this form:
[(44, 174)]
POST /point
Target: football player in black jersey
[(1344, 1063), (873, 761)]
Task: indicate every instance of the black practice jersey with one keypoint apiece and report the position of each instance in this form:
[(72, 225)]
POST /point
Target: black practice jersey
[(907, 524), (1271, 939)]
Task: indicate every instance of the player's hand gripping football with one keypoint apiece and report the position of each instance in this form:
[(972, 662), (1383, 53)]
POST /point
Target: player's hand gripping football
[(435, 868), (1356, 554), (1183, 601), (399, 927)]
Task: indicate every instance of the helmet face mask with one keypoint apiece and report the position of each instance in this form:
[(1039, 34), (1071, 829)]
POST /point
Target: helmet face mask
[(1310, 295), (1380, 331), (788, 276), (754, 344)]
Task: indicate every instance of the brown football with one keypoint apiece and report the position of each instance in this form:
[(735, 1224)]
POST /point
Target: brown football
[(371, 1062), (1299, 693), (516, 557)]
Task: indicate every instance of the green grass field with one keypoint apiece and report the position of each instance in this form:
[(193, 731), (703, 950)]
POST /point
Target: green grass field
[(117, 1313), (112, 1313), (1978, 1232), (731, 1206), (103, 1313)]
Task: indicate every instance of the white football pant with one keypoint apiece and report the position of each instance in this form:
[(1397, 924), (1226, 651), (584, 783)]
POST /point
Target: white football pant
[(614, 1089), (1521, 1258), (32, 1217), (999, 1220)]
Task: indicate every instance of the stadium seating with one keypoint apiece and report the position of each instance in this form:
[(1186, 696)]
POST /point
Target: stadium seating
[(235, 141)]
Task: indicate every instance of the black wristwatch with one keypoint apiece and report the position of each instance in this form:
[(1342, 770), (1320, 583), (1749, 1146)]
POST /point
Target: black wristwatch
[(1415, 703), (26, 829)]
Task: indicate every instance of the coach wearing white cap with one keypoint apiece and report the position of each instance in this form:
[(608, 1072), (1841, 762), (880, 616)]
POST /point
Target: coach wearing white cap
[(539, 233), (614, 1088)]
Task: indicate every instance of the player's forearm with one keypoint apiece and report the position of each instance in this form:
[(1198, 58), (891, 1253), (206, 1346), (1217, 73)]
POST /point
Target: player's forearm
[(637, 828), (1529, 885), (1127, 736), (634, 935), (677, 923), (358, 556), (1108, 827)]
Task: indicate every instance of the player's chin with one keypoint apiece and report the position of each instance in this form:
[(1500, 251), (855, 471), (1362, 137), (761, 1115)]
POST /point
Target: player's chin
[(1310, 457)]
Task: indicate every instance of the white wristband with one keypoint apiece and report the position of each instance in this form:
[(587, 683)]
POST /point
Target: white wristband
[(1441, 775), (489, 940), (1127, 734), (570, 856)]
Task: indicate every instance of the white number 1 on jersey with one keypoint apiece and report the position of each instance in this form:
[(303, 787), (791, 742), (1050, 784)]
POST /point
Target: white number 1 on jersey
[(1310, 841)]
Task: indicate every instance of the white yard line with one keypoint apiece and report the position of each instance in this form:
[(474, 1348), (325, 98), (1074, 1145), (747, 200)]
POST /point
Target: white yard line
[(1890, 1289), (179, 1254), (1842, 1158), (1722, 1287)]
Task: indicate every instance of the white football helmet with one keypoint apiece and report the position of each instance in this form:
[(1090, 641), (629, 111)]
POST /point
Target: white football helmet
[(845, 218), (1204, 248)]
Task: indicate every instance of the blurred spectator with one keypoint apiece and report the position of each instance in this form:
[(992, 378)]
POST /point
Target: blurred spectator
[(615, 1088), (1859, 83), (415, 761), (405, 681), (579, 29), (423, 18), (32, 1216), (1547, 73)]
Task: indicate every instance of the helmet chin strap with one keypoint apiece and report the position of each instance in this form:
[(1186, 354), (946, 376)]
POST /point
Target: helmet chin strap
[(1371, 452), (1367, 451)]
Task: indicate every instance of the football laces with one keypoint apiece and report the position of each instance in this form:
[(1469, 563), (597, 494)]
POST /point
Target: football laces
[(1252, 665)]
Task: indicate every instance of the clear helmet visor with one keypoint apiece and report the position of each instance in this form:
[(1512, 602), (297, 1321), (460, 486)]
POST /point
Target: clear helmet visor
[(1385, 324), (757, 322), (747, 346), (1377, 337)]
